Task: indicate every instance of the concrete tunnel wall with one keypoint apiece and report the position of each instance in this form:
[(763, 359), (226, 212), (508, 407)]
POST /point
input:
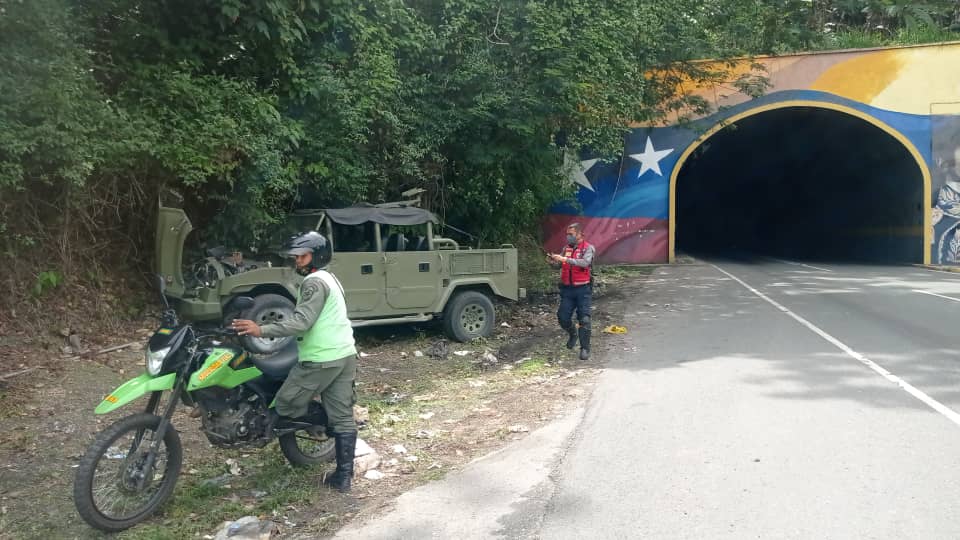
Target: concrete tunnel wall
[(628, 204)]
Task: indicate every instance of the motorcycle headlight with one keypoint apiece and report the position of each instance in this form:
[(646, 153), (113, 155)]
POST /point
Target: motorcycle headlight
[(155, 360)]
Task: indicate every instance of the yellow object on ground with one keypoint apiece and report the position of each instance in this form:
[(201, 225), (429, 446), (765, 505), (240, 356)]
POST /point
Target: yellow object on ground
[(614, 329)]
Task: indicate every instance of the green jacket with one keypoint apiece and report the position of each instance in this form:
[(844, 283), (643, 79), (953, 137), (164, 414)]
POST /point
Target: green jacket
[(320, 322)]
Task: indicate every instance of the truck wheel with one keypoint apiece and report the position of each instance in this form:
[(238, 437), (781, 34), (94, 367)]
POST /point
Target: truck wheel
[(268, 308), (469, 315)]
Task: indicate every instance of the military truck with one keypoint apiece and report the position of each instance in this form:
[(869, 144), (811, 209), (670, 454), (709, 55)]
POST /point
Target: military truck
[(393, 267)]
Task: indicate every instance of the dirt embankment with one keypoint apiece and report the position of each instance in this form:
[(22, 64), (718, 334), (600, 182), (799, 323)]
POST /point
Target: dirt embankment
[(433, 406)]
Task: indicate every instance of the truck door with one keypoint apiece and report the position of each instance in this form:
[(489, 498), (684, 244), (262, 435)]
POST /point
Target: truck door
[(359, 265), (412, 268)]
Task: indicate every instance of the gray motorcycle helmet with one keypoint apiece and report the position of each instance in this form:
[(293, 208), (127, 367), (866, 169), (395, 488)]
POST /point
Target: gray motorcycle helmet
[(309, 242)]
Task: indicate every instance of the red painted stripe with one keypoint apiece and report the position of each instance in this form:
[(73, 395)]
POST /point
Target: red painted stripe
[(617, 240)]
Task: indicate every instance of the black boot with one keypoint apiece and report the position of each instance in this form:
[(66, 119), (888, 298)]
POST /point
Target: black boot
[(572, 341), (346, 448), (584, 342)]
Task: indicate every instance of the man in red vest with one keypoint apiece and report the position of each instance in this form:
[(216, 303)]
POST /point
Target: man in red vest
[(576, 288)]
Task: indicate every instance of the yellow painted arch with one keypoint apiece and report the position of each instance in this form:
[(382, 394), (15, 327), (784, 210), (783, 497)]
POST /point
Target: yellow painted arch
[(925, 171)]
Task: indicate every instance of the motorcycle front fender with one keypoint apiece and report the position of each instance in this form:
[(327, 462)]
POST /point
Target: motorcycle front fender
[(133, 389)]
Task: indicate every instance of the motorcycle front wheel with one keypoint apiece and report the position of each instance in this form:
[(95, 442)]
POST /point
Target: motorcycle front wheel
[(108, 491)]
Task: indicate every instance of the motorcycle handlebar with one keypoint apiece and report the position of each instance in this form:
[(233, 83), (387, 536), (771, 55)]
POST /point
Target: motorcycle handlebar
[(218, 332)]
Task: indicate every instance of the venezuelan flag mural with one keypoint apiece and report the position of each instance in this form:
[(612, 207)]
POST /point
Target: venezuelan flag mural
[(912, 93)]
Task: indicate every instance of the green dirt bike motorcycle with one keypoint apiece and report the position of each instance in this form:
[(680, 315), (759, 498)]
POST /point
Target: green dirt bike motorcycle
[(132, 466)]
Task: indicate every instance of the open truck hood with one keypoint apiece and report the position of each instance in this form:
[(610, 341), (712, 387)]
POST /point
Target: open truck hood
[(173, 226)]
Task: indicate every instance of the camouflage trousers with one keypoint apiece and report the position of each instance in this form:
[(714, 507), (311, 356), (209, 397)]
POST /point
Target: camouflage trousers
[(335, 381)]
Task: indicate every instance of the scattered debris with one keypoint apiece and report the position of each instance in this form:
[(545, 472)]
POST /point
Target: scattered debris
[(392, 418), (373, 474), (462, 353), (75, 344), (425, 397), (427, 416), (519, 428), (573, 392), (104, 351), (614, 329), (15, 373), (418, 354), (423, 434), (399, 449), (246, 528), (365, 463), (505, 325), (361, 415), (234, 466), (440, 349), (411, 459), (219, 481), (488, 361), (474, 383), (393, 462), (362, 448)]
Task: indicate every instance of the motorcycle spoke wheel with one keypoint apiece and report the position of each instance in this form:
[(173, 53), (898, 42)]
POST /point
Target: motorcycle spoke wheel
[(111, 492)]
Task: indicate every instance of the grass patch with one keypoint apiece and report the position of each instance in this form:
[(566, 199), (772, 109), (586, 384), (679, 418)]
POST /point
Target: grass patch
[(433, 475), (621, 271), (534, 366), (266, 486), (858, 38)]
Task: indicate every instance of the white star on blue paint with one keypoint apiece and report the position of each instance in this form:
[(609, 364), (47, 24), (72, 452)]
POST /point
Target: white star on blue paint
[(650, 159), (578, 170)]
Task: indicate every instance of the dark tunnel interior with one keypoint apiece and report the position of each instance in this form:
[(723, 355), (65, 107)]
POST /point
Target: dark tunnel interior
[(802, 183)]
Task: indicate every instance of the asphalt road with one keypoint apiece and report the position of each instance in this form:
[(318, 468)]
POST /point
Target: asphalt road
[(765, 399)]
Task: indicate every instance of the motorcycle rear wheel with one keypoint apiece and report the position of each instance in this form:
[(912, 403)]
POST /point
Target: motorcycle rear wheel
[(303, 449), (97, 492)]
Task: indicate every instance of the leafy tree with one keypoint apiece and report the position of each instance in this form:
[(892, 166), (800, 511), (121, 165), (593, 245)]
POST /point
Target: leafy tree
[(254, 107)]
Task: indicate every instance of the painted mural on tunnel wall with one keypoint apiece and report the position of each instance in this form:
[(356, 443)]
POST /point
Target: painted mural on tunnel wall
[(912, 93)]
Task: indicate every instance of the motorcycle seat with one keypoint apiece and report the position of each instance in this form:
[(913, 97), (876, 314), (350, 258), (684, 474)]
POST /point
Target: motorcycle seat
[(278, 364)]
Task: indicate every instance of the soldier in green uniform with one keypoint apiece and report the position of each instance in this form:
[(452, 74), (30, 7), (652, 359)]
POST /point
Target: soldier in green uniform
[(328, 356)]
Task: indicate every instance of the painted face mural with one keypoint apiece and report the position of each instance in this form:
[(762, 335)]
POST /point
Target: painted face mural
[(945, 136)]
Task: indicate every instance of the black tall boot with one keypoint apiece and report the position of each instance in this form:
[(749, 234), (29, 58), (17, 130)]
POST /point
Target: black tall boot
[(346, 448), (572, 340), (584, 342)]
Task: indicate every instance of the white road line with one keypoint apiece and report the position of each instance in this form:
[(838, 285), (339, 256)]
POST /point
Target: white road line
[(937, 295), (907, 387), (804, 265)]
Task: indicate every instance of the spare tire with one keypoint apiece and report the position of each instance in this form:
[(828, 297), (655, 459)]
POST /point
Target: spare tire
[(268, 308)]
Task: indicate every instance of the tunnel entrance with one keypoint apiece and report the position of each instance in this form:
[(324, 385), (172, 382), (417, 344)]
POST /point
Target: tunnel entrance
[(802, 183)]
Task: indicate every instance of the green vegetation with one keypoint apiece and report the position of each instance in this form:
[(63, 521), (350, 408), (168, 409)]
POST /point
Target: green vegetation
[(250, 108), (267, 485)]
